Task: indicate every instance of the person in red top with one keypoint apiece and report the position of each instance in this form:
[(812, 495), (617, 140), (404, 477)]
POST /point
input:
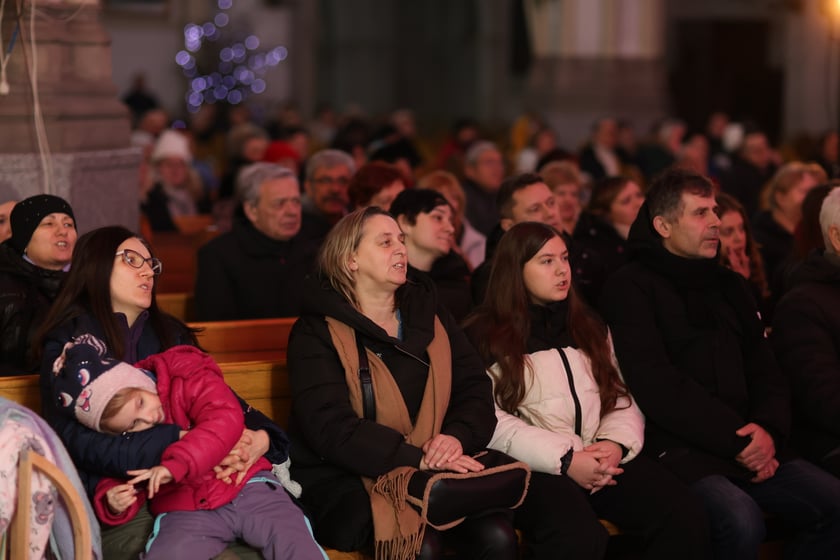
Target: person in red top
[(199, 514)]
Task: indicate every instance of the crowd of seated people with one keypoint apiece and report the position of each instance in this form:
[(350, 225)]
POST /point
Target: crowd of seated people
[(651, 295)]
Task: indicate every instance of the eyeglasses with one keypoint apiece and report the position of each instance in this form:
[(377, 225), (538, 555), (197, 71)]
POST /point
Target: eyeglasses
[(342, 181), (136, 260)]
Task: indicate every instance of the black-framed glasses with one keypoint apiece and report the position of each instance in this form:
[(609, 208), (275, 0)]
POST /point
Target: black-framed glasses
[(136, 260)]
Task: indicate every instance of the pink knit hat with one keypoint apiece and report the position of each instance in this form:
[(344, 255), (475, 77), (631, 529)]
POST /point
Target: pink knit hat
[(87, 379)]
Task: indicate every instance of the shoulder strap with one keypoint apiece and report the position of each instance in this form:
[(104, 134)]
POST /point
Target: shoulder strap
[(368, 401)]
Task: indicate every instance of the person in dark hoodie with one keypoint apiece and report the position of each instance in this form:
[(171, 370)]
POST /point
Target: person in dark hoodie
[(33, 262), (256, 270), (417, 357), (693, 353), (806, 338), (426, 219)]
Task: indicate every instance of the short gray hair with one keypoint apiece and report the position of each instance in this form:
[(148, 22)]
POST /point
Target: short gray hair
[(251, 177), (830, 215), (475, 151), (329, 159)]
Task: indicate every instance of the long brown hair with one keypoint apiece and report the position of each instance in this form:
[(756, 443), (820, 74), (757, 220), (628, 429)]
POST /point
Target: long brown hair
[(727, 203), (503, 323), (87, 290)]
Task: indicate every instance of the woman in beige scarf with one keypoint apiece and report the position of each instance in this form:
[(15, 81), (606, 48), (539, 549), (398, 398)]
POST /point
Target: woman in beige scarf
[(434, 407)]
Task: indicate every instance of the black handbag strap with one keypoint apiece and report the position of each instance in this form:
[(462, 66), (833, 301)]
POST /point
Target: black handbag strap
[(572, 389), (368, 401)]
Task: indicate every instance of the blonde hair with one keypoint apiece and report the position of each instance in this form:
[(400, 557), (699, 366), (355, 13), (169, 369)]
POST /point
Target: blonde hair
[(116, 404), (341, 242), (556, 173), (786, 178)]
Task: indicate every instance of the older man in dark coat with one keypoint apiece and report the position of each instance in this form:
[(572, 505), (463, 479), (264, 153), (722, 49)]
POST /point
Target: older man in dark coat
[(806, 338), (257, 269)]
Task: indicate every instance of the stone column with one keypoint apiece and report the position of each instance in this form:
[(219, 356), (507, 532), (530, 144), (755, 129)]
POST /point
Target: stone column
[(64, 130)]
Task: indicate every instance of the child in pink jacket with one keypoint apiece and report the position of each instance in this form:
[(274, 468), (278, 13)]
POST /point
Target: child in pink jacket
[(198, 514)]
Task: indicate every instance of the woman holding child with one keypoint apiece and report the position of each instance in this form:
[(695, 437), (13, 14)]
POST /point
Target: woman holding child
[(109, 294), (198, 514), (563, 408)]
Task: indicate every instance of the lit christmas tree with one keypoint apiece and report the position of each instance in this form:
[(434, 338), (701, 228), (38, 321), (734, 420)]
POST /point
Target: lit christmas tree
[(222, 63)]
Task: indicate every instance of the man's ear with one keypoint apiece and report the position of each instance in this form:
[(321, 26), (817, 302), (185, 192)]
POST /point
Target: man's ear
[(250, 210), (834, 237), (506, 223), (662, 227)]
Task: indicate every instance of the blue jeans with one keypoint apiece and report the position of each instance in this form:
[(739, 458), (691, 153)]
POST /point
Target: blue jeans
[(806, 497)]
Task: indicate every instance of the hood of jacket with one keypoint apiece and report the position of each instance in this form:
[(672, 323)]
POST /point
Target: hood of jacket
[(416, 300), (13, 264)]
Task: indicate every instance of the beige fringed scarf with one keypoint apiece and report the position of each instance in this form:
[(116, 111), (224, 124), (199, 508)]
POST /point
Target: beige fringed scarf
[(398, 527)]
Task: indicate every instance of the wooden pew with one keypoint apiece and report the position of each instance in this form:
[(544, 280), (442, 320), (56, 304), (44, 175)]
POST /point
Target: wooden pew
[(248, 340), (179, 304), (178, 253), (264, 384)]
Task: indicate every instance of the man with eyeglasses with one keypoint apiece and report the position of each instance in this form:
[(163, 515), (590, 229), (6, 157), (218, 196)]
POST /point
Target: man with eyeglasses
[(326, 198), (256, 270)]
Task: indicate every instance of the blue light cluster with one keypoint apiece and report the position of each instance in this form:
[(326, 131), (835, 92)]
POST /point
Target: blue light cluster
[(236, 72)]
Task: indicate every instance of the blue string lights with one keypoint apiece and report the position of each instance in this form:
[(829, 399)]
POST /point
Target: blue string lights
[(221, 64)]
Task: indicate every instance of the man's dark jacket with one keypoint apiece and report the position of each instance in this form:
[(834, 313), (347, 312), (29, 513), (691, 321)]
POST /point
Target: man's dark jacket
[(806, 338), (243, 274), (692, 349)]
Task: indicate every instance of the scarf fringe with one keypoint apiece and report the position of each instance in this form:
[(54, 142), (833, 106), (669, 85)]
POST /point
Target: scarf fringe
[(402, 538), (394, 487), (402, 547)]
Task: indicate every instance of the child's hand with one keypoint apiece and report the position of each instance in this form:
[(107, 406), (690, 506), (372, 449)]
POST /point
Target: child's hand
[(251, 446), (156, 476), (120, 498)]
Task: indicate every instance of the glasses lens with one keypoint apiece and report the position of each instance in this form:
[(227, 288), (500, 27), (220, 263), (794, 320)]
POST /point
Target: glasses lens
[(132, 259)]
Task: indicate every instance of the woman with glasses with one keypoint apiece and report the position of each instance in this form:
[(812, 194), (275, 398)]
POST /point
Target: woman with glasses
[(33, 262), (110, 294)]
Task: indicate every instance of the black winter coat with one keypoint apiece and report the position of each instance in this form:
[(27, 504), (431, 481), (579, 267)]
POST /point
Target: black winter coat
[(26, 293), (806, 338), (329, 442), (693, 353), (244, 274)]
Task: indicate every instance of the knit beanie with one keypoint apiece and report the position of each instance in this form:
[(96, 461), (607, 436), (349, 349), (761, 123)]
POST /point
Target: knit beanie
[(28, 213), (171, 144), (87, 379)]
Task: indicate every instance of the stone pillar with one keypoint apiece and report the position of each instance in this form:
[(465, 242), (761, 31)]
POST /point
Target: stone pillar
[(64, 130), (596, 58)]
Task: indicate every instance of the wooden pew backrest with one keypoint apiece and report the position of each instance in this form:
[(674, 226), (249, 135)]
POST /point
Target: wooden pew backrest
[(178, 304), (253, 339), (263, 384)]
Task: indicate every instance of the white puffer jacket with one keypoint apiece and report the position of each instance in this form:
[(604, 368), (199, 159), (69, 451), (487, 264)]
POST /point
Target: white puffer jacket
[(544, 430)]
